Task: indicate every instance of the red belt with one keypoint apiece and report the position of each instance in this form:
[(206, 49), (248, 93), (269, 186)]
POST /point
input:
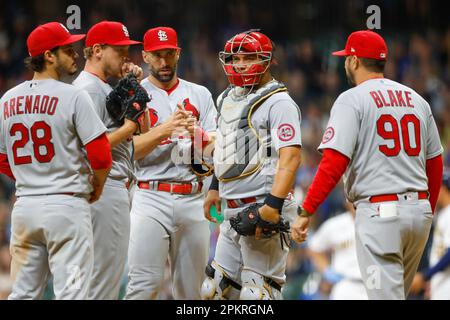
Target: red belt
[(236, 203), (422, 195), (180, 188)]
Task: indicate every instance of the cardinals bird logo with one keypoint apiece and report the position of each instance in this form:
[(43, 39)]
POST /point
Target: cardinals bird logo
[(190, 107), (153, 116)]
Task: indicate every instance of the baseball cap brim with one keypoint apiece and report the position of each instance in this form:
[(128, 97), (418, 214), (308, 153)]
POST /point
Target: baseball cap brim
[(340, 53), (161, 47), (124, 43), (72, 39)]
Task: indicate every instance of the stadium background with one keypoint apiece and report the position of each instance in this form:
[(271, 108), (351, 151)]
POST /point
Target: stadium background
[(305, 32)]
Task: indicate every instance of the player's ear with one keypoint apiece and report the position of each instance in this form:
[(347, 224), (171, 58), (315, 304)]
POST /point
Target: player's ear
[(145, 57), (49, 56), (357, 62), (97, 51)]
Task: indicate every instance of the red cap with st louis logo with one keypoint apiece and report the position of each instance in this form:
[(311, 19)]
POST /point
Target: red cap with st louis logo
[(49, 36), (160, 38), (109, 32), (364, 44)]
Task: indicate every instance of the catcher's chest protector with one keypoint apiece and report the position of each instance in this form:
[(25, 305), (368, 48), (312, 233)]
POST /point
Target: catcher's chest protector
[(239, 149)]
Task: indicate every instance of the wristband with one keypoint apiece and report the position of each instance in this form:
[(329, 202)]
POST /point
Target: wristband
[(274, 202), (214, 183)]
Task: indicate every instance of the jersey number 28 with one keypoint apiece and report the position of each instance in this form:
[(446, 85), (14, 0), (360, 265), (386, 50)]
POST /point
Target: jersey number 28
[(406, 122), (41, 136)]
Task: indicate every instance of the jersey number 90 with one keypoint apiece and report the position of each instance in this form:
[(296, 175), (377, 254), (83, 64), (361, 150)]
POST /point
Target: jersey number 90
[(407, 122), (41, 136)]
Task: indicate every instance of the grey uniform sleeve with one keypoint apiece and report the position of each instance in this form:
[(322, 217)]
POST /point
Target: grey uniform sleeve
[(99, 104), (434, 147), (342, 130), (284, 121), (208, 117), (86, 121)]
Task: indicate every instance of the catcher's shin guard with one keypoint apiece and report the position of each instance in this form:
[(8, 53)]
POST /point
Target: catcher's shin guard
[(258, 287), (217, 285)]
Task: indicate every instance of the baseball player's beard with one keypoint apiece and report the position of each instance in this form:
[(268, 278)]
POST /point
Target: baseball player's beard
[(66, 70), (165, 78)]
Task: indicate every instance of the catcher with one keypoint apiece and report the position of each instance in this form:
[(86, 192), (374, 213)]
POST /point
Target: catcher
[(123, 111), (256, 156)]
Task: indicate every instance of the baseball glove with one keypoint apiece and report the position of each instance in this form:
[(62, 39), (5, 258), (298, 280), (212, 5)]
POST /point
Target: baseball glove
[(127, 100), (246, 221)]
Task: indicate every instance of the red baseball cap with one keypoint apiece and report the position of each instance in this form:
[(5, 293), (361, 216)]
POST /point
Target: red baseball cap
[(364, 44), (160, 38), (49, 36), (109, 32)]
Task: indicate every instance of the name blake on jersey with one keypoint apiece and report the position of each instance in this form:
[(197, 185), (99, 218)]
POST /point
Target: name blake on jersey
[(29, 105), (397, 98)]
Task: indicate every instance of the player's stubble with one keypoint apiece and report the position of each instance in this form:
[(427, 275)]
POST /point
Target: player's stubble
[(167, 77)]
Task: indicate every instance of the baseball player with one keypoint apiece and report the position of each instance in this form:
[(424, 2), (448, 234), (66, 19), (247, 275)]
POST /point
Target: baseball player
[(439, 270), (383, 136), (166, 215), (256, 156), (337, 236), (44, 125), (106, 54)]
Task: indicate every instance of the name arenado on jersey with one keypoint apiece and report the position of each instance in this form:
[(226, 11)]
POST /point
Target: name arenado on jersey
[(30, 104)]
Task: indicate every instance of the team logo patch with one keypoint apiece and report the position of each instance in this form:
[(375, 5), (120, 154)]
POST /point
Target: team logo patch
[(162, 35), (153, 116), (286, 132), (125, 31), (328, 135), (188, 106)]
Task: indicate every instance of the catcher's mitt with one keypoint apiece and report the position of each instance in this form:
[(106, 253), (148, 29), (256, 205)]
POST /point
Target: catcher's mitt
[(246, 221), (127, 100)]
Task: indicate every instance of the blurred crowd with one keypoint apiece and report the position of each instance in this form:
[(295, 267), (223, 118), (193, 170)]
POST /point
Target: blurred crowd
[(305, 32)]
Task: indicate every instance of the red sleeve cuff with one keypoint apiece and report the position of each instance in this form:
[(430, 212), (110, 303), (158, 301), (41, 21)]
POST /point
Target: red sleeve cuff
[(331, 168), (99, 153), (434, 168), (5, 167)]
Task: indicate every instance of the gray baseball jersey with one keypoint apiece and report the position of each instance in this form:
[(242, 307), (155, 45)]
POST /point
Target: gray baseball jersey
[(278, 115), (388, 132), (165, 224), (44, 122), (163, 162), (122, 154), (110, 214), (44, 126)]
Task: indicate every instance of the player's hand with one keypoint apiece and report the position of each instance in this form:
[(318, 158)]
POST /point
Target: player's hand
[(130, 126), (130, 67), (144, 122), (268, 214), (191, 125), (190, 121), (171, 127), (211, 199), (299, 229), (418, 284), (97, 189)]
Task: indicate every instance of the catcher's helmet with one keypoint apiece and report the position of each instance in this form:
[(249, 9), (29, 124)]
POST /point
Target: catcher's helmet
[(250, 42)]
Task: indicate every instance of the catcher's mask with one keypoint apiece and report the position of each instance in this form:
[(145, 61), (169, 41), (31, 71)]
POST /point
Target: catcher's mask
[(248, 43)]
